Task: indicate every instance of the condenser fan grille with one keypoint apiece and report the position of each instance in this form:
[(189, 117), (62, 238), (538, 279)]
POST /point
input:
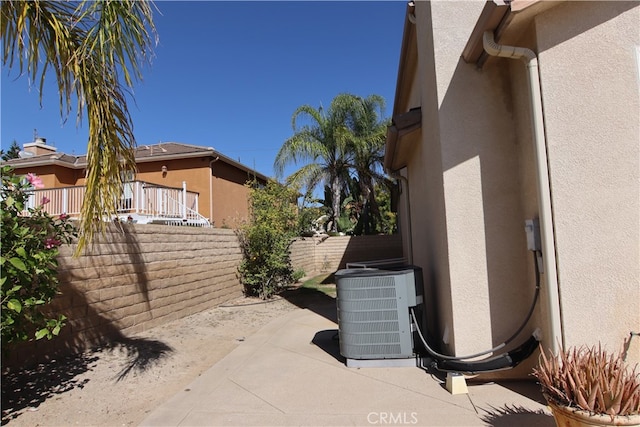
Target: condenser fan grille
[(373, 313)]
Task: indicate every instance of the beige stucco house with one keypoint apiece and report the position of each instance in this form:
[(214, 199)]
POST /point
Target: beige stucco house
[(486, 136)]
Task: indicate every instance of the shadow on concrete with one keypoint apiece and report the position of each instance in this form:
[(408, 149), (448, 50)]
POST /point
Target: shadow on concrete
[(508, 416), (321, 303), (314, 299), (529, 389), (328, 341)]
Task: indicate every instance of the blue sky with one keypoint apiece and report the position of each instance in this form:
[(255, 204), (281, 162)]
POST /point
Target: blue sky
[(229, 75)]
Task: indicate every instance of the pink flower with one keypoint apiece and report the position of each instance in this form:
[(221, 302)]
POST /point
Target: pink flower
[(45, 200), (63, 216), (35, 180), (51, 243)]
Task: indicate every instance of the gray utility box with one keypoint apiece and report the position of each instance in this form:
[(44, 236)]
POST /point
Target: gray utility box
[(373, 311)]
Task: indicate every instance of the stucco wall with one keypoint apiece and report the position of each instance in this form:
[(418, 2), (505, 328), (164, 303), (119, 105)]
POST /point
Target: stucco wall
[(195, 172), (228, 206), (230, 195), (469, 173), (472, 177), (591, 86)]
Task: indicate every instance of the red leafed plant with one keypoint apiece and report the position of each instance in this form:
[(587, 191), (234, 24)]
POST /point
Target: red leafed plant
[(590, 379)]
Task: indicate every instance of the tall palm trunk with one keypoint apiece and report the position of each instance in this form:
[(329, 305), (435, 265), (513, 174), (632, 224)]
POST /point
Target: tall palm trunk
[(335, 203)]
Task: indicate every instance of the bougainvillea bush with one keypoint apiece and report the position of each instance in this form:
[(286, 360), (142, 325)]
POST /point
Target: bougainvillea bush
[(28, 264)]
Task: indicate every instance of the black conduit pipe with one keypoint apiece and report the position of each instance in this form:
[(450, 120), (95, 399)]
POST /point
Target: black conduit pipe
[(500, 362)]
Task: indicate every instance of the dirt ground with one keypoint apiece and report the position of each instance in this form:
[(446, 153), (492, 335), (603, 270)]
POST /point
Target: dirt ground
[(119, 386)]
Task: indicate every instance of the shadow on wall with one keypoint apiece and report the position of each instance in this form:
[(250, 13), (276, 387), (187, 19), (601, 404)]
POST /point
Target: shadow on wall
[(583, 19), (34, 371), (87, 326), (340, 251), (492, 174)]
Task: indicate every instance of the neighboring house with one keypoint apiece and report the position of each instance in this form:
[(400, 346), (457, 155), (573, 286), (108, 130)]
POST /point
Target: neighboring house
[(481, 144), (173, 182)]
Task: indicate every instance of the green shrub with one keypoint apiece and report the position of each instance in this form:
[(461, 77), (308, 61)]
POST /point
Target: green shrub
[(266, 267), (30, 241), (297, 275)]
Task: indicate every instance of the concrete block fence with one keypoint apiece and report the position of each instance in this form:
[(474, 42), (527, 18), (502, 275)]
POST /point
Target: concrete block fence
[(317, 255), (141, 276)]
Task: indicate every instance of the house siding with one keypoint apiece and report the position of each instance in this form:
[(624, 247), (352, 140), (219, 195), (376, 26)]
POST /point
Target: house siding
[(466, 180), (590, 84), (472, 177), (195, 172), (230, 195), (219, 182)]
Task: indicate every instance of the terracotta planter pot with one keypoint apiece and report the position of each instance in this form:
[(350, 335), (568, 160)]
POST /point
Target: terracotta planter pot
[(573, 417)]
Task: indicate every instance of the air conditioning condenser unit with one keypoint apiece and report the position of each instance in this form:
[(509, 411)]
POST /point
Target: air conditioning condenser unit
[(373, 314)]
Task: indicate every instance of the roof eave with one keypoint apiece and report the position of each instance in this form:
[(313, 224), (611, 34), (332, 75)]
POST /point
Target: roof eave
[(209, 152), (507, 21), (45, 162), (490, 18), (402, 125), (407, 60), (160, 157)]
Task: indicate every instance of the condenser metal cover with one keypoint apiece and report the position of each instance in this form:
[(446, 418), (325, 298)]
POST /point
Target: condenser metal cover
[(373, 311)]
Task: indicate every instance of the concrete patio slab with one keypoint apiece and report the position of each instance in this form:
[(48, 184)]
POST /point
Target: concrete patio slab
[(290, 373)]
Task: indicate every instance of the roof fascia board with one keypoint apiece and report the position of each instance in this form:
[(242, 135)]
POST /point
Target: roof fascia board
[(407, 65), (402, 125), (209, 153), (160, 157), (241, 166), (45, 162), (490, 18), (157, 158), (406, 71), (506, 21), (390, 150)]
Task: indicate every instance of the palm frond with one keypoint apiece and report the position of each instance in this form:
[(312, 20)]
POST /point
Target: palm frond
[(96, 50), (308, 176)]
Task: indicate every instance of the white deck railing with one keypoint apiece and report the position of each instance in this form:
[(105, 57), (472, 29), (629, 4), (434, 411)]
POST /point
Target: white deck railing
[(138, 197)]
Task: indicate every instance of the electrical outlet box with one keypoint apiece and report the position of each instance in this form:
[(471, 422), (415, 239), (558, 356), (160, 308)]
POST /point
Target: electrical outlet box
[(532, 228)]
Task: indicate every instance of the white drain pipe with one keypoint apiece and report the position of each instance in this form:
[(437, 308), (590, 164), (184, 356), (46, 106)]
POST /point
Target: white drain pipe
[(556, 336)]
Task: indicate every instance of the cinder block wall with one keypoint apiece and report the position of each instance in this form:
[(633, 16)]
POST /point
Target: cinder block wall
[(137, 278), (141, 276), (315, 255), (302, 253)]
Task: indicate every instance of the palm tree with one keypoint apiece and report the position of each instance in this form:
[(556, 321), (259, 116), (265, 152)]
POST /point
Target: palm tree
[(369, 135), (324, 143), (96, 50)]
